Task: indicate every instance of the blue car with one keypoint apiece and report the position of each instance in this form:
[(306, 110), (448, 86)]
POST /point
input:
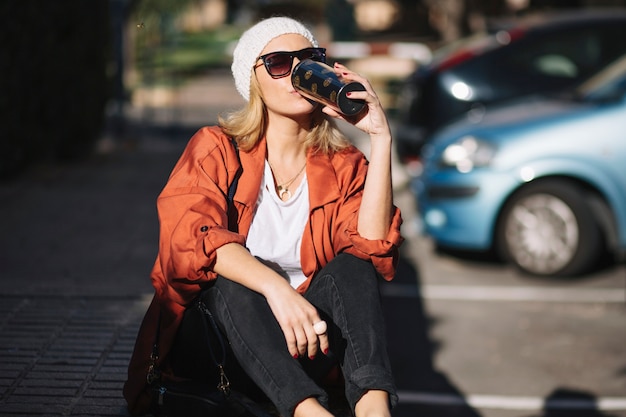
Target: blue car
[(542, 180)]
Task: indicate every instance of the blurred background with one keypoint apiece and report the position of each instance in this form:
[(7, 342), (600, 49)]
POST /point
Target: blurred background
[(509, 121), (68, 68)]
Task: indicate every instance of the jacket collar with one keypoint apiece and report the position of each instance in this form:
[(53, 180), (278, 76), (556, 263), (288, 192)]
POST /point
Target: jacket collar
[(253, 164), (319, 171)]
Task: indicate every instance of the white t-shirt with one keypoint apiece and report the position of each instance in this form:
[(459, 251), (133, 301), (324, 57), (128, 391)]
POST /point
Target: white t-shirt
[(275, 234)]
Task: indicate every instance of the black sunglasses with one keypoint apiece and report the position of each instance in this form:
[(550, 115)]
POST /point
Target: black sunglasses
[(278, 64)]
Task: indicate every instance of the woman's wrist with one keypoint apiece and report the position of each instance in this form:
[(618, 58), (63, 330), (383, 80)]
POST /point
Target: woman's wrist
[(381, 138), (380, 148), (272, 283)]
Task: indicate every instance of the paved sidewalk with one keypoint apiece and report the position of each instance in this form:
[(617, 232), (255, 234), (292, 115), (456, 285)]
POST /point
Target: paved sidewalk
[(76, 246), (77, 243), (65, 356)]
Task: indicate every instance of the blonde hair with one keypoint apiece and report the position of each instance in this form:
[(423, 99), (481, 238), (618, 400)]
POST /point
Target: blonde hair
[(247, 125)]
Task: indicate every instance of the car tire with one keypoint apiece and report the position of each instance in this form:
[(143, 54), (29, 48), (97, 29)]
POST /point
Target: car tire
[(549, 229)]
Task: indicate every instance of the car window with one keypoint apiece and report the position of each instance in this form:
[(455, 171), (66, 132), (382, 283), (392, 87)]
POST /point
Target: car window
[(607, 85), (555, 65), (563, 55), (571, 54)]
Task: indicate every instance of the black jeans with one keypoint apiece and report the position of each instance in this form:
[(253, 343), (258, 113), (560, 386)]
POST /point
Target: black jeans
[(346, 295)]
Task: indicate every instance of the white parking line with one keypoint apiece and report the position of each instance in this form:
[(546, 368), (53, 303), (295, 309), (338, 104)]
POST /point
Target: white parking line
[(494, 293), (511, 402)]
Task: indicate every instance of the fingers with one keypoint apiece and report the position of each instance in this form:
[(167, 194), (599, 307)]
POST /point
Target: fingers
[(349, 75), (369, 95), (296, 318), (373, 119), (331, 112), (296, 338), (312, 343), (323, 343), (344, 72), (292, 344), (307, 340)]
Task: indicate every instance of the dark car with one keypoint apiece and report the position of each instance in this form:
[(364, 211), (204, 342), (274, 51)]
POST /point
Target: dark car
[(543, 53)]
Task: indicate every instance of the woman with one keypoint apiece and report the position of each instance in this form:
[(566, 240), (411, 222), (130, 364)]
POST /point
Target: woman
[(290, 270)]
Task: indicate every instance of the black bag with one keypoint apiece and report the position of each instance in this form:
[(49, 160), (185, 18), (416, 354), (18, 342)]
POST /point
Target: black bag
[(190, 398)]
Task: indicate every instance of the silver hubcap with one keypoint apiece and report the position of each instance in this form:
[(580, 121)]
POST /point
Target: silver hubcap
[(542, 233)]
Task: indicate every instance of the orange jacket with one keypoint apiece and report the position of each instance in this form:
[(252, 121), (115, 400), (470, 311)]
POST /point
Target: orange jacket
[(194, 219)]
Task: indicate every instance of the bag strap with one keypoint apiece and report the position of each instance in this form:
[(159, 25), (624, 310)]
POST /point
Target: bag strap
[(154, 373), (233, 185), (224, 384)]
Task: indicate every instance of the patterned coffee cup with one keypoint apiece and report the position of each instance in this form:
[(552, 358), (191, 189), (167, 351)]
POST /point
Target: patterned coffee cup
[(318, 82)]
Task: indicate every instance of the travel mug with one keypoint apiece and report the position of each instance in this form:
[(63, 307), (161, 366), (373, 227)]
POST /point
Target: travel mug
[(318, 82)]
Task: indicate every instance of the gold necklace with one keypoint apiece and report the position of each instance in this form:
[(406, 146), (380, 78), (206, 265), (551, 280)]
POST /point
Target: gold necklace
[(283, 189)]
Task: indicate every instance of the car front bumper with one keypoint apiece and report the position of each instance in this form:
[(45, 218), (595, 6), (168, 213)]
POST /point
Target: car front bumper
[(461, 210)]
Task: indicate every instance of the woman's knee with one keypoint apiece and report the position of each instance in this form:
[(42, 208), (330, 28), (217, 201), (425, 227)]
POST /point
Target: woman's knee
[(351, 272), (226, 292), (230, 289)]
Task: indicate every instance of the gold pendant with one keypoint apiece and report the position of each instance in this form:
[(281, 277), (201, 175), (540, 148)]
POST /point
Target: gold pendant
[(284, 193)]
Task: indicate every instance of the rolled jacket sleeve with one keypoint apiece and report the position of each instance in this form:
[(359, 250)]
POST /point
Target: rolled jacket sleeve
[(336, 209), (193, 217), (384, 254), (193, 227)]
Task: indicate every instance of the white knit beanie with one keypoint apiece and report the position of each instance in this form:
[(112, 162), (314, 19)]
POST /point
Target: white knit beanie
[(252, 43)]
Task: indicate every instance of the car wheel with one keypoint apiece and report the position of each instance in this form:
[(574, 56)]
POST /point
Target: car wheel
[(548, 228)]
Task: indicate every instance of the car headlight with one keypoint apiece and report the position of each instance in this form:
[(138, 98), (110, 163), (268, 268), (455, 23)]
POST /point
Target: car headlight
[(467, 153)]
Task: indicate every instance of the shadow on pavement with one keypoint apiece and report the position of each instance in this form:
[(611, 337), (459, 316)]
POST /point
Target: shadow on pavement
[(566, 402), (411, 351)]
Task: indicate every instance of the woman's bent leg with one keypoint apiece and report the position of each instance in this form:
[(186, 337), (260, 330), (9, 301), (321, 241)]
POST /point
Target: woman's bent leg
[(259, 345), (346, 291)]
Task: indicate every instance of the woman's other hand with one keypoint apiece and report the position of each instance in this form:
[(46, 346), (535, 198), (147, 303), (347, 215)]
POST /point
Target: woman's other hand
[(296, 317), (372, 119), (294, 314)]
